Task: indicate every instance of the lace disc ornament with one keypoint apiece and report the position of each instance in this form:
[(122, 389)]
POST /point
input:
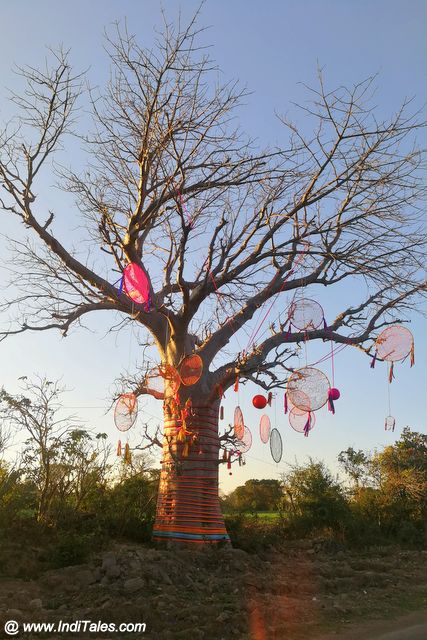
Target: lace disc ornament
[(302, 421), (302, 399), (306, 315), (191, 369), (394, 344), (264, 428), (125, 411), (239, 425), (276, 445), (245, 442), (389, 423), (136, 284), (308, 389), (156, 378)]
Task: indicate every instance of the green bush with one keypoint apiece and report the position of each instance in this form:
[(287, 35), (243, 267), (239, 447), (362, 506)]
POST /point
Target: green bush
[(73, 548), (313, 501), (253, 534)]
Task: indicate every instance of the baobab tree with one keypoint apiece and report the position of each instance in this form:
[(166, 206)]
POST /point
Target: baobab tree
[(220, 226)]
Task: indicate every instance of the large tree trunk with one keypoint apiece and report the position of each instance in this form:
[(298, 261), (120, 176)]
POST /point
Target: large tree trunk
[(188, 508)]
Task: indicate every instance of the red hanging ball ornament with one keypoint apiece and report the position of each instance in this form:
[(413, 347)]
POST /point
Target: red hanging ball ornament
[(259, 402), (334, 394)]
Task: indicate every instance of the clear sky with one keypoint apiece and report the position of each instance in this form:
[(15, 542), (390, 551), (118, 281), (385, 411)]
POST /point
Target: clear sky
[(272, 47)]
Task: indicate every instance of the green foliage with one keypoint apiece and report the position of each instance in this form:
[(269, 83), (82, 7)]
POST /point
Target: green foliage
[(255, 495), (127, 509), (72, 548), (355, 464), (313, 500), (254, 534), (385, 503), (392, 503)]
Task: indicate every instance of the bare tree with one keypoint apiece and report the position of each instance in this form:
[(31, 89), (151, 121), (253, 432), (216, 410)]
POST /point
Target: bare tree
[(220, 226)]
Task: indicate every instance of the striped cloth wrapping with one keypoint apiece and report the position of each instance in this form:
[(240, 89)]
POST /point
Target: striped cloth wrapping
[(188, 508)]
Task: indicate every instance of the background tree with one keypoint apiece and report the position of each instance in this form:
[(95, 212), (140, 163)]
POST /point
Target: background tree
[(390, 486), (255, 495), (355, 464), (313, 499), (61, 461), (221, 228)]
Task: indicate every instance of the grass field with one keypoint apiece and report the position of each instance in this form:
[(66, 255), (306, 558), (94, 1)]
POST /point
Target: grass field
[(267, 516)]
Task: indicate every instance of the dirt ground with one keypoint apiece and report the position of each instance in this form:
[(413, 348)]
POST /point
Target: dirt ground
[(301, 593)]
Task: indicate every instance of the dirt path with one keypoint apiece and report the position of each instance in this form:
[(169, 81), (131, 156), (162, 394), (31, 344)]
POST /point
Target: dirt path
[(412, 626), (299, 593)]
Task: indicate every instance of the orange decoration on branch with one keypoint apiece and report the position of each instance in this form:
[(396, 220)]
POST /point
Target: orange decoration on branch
[(191, 369)]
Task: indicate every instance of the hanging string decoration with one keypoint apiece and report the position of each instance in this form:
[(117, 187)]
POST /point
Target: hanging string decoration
[(259, 402), (239, 425), (191, 369), (264, 428), (308, 389), (394, 344), (125, 411), (276, 445), (302, 421), (390, 423), (136, 284), (245, 442), (306, 315), (155, 379)]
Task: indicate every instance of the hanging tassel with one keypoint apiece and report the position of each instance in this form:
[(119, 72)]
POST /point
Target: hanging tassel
[(412, 354), (391, 373), (119, 448), (236, 384), (240, 459), (176, 398), (373, 361), (128, 455), (221, 413), (185, 449), (182, 433), (307, 426), (285, 402), (289, 331), (331, 406), (229, 460), (270, 398), (224, 455)]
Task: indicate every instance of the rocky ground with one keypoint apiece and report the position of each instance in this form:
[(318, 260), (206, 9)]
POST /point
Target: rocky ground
[(300, 593)]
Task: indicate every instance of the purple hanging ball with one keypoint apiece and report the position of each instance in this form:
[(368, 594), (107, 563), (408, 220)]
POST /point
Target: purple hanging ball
[(334, 394)]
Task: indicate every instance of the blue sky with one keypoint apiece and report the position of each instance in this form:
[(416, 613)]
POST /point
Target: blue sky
[(272, 47)]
